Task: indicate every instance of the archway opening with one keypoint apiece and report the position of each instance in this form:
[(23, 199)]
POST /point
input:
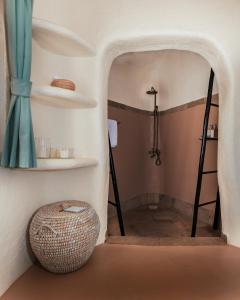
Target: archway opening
[(157, 201)]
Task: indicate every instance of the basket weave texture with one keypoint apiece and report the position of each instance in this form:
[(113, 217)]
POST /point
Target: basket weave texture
[(64, 84), (64, 241)]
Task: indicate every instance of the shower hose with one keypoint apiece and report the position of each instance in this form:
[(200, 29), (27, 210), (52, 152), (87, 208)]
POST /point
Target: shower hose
[(155, 152)]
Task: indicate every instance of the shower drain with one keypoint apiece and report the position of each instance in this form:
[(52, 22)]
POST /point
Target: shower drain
[(153, 206)]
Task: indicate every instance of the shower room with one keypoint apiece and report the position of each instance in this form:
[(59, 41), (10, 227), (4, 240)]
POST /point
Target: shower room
[(160, 120)]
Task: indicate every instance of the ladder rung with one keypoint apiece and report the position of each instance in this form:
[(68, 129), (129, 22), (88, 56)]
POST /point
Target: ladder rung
[(206, 203), (209, 139), (209, 172), (112, 203), (213, 104)]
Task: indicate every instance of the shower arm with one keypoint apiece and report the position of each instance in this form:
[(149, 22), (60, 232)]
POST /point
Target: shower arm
[(153, 92)]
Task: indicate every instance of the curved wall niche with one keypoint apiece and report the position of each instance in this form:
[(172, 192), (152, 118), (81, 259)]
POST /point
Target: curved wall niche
[(60, 40)]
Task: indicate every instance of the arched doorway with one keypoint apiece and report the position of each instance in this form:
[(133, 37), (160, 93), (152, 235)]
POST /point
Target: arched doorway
[(157, 200), (194, 42)]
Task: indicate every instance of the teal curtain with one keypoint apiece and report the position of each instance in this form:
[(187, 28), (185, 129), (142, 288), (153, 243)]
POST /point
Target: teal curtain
[(19, 146)]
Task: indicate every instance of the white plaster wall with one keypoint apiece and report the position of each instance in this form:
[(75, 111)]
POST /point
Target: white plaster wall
[(179, 77), (116, 27), (23, 192)]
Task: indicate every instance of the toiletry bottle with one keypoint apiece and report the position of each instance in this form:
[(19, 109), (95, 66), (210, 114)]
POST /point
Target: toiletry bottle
[(209, 131), (212, 131)]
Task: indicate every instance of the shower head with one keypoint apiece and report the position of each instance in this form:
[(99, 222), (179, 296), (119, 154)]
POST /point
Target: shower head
[(152, 91)]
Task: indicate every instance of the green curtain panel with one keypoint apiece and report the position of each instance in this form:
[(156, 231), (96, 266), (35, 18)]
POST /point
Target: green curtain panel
[(19, 146)]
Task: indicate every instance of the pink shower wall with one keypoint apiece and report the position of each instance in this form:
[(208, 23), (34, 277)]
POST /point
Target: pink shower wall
[(135, 171), (179, 134)]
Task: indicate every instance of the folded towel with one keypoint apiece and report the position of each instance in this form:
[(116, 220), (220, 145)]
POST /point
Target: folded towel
[(113, 132)]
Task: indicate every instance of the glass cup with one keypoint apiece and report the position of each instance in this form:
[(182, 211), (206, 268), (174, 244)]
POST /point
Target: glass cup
[(53, 152), (71, 152), (63, 152), (42, 147)]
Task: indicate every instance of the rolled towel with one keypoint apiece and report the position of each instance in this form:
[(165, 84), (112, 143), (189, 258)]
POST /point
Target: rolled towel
[(113, 132)]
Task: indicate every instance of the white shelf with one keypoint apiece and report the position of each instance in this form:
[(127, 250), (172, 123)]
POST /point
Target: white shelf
[(58, 97), (59, 40), (63, 164)]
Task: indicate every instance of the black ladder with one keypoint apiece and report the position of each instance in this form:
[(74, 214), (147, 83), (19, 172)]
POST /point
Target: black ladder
[(115, 190), (201, 171)]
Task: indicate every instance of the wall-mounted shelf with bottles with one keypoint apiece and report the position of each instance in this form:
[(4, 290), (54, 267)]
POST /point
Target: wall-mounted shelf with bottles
[(61, 41), (63, 164)]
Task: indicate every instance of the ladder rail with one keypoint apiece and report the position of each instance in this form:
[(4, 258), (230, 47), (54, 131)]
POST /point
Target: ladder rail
[(117, 203), (217, 212), (202, 154)]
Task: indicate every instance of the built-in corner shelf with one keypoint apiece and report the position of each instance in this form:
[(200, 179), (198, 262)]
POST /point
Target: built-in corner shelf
[(60, 40), (58, 97), (64, 164)]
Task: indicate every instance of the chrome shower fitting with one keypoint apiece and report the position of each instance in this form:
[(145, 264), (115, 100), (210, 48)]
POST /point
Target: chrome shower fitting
[(155, 151)]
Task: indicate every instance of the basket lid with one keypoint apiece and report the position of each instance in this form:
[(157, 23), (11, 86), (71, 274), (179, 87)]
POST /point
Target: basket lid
[(56, 210)]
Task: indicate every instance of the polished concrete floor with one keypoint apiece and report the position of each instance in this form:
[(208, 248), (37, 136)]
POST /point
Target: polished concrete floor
[(160, 223), (120, 272)]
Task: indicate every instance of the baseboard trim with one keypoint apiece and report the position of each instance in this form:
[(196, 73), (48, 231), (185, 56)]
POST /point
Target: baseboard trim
[(181, 241)]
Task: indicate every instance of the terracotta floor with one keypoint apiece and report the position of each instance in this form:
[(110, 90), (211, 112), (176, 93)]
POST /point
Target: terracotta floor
[(120, 272), (143, 222)]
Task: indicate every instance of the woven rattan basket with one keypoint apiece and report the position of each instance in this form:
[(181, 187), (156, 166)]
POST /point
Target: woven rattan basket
[(63, 241)]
